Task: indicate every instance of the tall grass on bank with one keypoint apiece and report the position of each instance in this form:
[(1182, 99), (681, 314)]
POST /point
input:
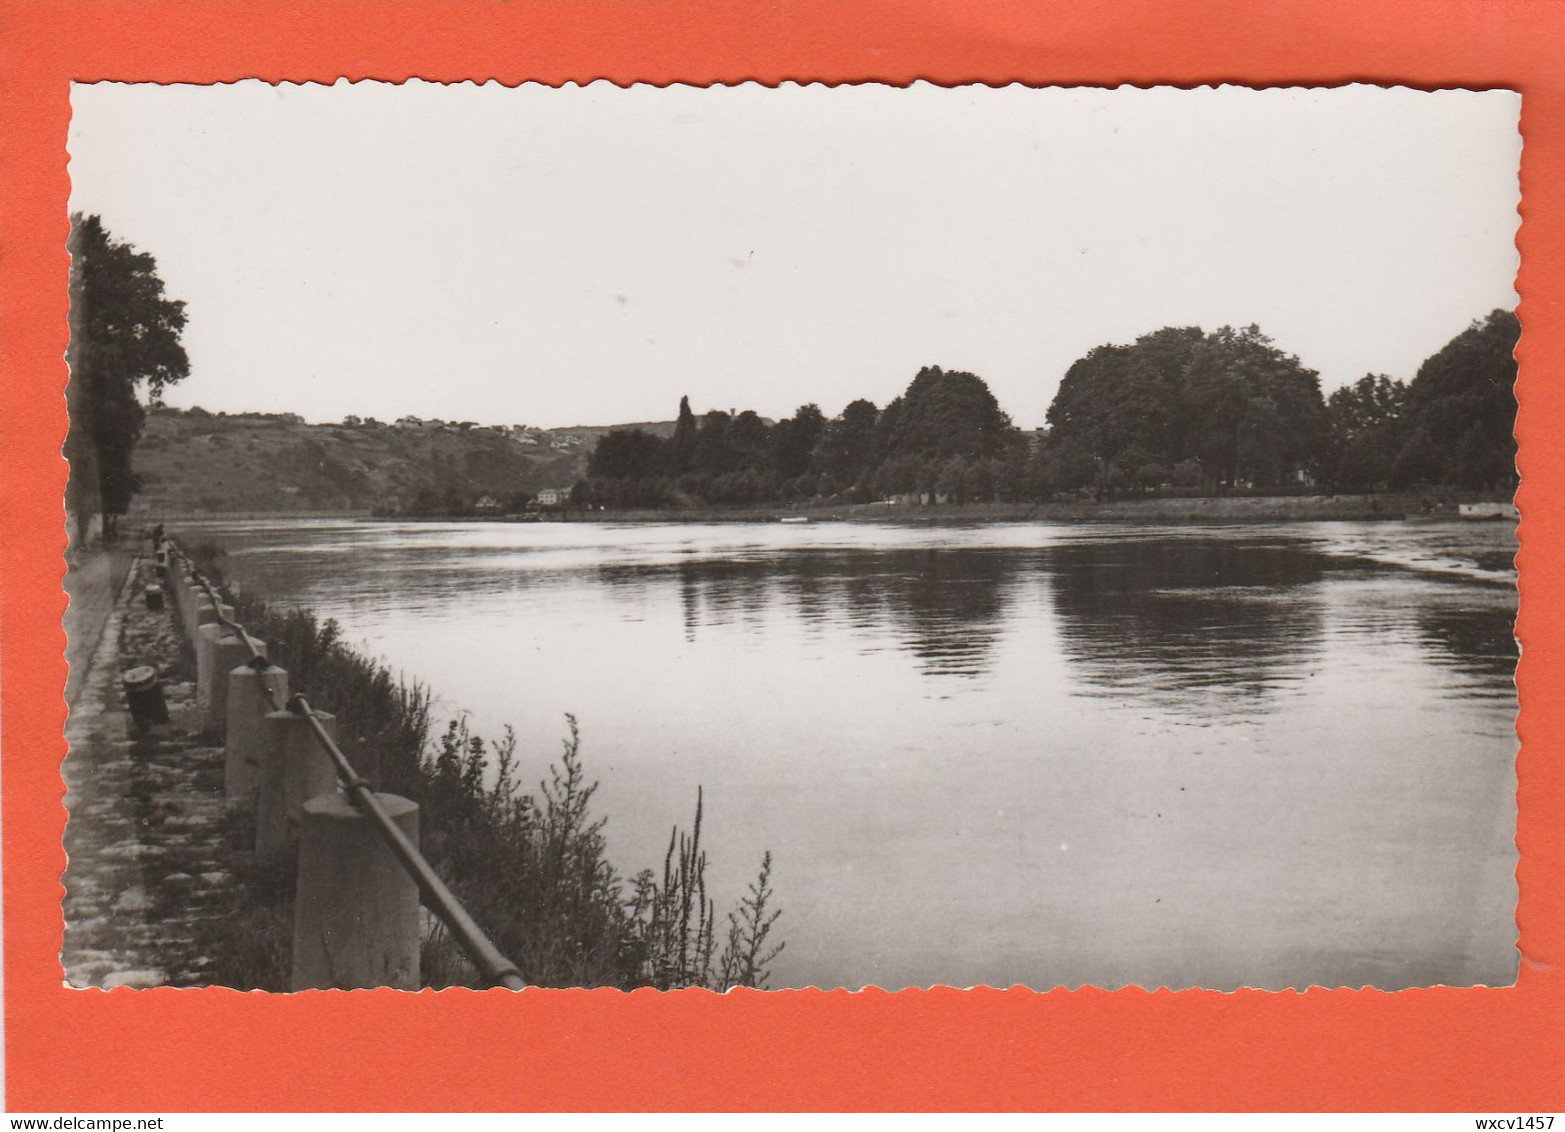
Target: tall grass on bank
[(531, 866)]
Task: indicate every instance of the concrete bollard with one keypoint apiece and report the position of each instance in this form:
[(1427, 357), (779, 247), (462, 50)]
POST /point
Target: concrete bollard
[(293, 769), (197, 600), (355, 921), (204, 645), (216, 659), (207, 629), (206, 613), (248, 707)]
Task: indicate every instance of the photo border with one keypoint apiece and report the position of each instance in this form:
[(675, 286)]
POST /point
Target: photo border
[(167, 1050)]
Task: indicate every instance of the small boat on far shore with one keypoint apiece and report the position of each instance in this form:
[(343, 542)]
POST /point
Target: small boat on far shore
[(1497, 510), (794, 519)]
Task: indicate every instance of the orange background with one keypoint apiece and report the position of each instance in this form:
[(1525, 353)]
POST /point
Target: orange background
[(1480, 1050)]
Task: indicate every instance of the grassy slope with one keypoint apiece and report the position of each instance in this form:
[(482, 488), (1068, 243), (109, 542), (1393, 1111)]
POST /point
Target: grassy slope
[(192, 462)]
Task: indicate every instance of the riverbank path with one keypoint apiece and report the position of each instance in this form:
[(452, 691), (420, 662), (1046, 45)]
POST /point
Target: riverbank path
[(93, 583), (144, 836)]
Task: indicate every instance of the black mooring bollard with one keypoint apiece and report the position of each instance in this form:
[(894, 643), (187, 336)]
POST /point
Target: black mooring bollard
[(154, 594), (144, 694)]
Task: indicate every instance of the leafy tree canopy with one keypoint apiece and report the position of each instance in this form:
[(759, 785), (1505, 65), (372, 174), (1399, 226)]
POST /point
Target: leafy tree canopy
[(1230, 400), (125, 338), (944, 414), (626, 453), (1461, 408)]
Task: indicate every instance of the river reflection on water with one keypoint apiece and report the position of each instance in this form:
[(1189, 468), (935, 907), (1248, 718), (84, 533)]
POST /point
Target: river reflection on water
[(1039, 754)]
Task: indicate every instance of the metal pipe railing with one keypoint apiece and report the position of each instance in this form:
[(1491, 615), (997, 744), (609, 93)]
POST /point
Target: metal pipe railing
[(437, 897), (440, 900), (257, 658)]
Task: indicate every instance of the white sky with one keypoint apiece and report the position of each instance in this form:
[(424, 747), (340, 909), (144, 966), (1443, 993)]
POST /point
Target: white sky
[(589, 254)]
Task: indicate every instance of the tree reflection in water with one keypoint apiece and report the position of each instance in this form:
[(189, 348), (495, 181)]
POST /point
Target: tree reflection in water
[(1476, 640), (1145, 616), (1185, 617), (944, 606)]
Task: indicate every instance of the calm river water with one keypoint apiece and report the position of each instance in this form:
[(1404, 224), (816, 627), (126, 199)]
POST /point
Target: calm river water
[(1039, 754)]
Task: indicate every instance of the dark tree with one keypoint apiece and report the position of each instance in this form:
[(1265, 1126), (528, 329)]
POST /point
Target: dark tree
[(1256, 414), (714, 451), (1116, 405), (1418, 463), (1065, 465), (1461, 409), (626, 454), (944, 414), (125, 337), (1228, 407), (847, 449), (749, 438), (682, 445), (794, 440), (1367, 423), (1125, 404)]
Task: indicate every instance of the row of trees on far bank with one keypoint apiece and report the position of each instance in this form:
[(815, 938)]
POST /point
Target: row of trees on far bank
[(946, 433), (1452, 424), (1178, 408)]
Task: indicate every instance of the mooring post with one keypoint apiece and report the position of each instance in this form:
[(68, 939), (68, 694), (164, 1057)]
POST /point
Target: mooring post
[(227, 653), (355, 922), (208, 633), (245, 738), (179, 582), (173, 585), (293, 769), (181, 578), (198, 611)]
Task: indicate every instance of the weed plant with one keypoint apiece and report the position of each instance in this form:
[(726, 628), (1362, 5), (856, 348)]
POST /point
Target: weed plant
[(530, 866)]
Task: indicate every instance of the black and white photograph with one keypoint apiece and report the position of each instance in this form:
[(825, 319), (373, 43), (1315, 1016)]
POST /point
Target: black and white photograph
[(781, 537)]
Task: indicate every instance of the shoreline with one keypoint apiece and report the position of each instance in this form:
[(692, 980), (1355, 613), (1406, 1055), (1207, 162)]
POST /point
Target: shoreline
[(1389, 506), (1152, 512)]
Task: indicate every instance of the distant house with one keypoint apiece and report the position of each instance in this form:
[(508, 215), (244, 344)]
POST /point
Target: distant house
[(487, 503), (409, 422), (554, 496)]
